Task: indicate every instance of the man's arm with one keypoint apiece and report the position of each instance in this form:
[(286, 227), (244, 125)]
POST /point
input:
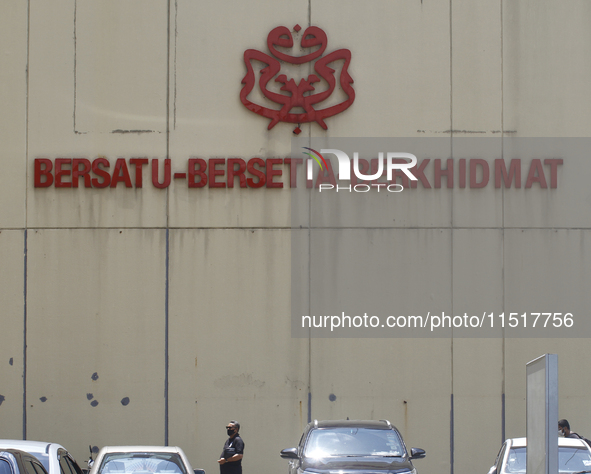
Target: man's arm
[(236, 457)]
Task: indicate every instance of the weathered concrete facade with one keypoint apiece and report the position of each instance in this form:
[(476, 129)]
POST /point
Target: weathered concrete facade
[(152, 316)]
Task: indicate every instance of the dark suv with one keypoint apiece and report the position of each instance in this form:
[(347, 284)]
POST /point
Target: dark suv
[(351, 447)]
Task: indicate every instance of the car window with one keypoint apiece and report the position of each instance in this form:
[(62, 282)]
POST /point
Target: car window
[(73, 466), (5, 467), (33, 468), (516, 460), (39, 467), (570, 459), (353, 442), (43, 457), (573, 459), (142, 463), (29, 467), (65, 467)]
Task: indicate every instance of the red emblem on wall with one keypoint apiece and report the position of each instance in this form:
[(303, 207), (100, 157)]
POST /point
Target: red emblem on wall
[(298, 102)]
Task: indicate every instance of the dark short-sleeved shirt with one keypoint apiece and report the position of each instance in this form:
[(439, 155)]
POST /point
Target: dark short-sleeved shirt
[(231, 447)]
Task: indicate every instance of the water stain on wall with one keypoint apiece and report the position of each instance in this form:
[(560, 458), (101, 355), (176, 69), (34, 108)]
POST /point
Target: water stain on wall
[(296, 384)]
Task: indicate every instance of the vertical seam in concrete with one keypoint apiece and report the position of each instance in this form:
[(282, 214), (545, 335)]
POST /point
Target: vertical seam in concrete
[(166, 284), (502, 417), (451, 127), (166, 342), (26, 223), (176, 9), (309, 312), (502, 74), (25, 342), (168, 43), (309, 263), (451, 434), (75, 63), (503, 381), (451, 95)]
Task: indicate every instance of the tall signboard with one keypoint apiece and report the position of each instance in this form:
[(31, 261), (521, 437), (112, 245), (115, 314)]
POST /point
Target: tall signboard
[(542, 415)]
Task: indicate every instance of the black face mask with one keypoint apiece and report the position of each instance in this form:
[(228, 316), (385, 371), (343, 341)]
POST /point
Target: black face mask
[(230, 432)]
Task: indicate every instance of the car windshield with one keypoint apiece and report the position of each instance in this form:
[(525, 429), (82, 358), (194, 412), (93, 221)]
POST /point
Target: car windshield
[(142, 463), (41, 456), (570, 459), (326, 442)]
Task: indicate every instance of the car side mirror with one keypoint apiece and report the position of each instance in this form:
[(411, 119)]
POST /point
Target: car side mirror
[(199, 471), (417, 453), (289, 453)]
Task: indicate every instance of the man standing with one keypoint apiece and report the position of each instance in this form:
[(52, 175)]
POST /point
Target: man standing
[(564, 428), (231, 459)]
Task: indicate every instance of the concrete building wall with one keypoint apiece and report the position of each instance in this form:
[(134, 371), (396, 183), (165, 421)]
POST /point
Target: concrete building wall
[(153, 316)]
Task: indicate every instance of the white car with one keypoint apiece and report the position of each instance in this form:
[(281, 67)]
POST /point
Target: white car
[(142, 460), (574, 456), (54, 457)]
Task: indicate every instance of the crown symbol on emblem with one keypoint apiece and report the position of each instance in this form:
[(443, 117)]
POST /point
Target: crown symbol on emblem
[(307, 94)]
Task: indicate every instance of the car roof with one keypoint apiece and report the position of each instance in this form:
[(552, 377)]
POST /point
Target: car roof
[(574, 442), (28, 446), (371, 424), (141, 449)]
